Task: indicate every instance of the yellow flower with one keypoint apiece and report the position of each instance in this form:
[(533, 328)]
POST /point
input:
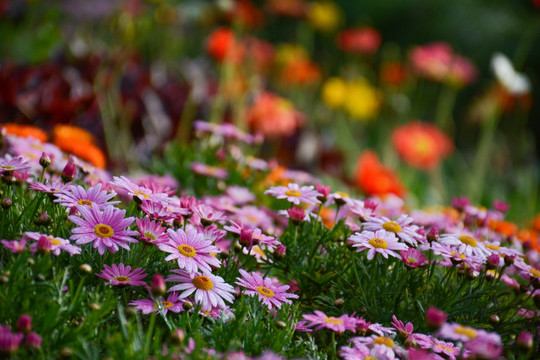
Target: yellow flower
[(287, 53), (324, 16), (362, 100), (334, 92)]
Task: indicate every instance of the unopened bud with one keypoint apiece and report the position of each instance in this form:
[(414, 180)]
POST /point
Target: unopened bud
[(69, 172), (296, 214), (494, 319), (66, 353), (85, 268), (178, 336), (339, 302), (6, 203), (509, 260), (33, 340), (187, 305), (525, 341), (95, 306), (324, 192), (280, 251), (24, 323), (45, 160), (281, 324), (493, 261), (435, 318), (43, 220), (157, 286), (246, 237), (432, 235)]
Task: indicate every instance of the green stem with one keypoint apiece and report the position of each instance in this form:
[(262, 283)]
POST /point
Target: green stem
[(443, 111)]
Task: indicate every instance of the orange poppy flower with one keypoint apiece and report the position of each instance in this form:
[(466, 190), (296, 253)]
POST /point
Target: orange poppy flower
[(72, 132), (421, 145), (222, 45), (505, 228), (79, 142), (25, 131), (375, 179)]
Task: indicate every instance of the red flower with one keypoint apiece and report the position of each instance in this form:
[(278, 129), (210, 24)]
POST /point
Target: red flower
[(222, 45), (364, 40), (421, 145), (375, 179)]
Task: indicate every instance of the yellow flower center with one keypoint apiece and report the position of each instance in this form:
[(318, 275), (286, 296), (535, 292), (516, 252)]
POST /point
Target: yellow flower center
[(411, 260), (342, 194), (7, 167), (333, 320), (55, 242), (263, 290), (459, 255), (84, 202), (378, 243), (468, 240), (493, 247), (187, 250), (103, 231), (167, 304), (382, 340), (295, 193), (392, 226), (465, 330), (444, 347), (150, 235), (121, 279), (203, 282), (535, 272), (145, 195)]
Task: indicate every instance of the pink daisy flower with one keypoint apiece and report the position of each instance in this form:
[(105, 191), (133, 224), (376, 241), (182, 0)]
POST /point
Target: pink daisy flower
[(15, 246), (270, 293), (204, 215), (466, 244), (413, 258), (401, 227), (50, 187), (295, 194), (107, 229), (458, 332), (211, 171), (337, 324), (210, 290), (151, 231), (382, 242), (135, 190), (147, 306), (77, 195), (239, 194), (57, 244), (120, 275), (157, 210), (357, 352), (9, 164), (191, 250)]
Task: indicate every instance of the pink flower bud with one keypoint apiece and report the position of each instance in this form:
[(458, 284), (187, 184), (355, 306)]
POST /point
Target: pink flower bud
[(324, 192), (297, 214), (44, 244), (246, 237), (525, 340), (433, 234), (435, 317), (69, 172), (280, 251), (45, 160), (33, 340), (157, 286), (493, 261), (24, 323)]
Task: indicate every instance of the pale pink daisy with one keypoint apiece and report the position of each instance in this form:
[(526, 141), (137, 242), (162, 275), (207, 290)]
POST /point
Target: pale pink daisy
[(151, 231), (191, 250), (402, 227), (239, 194), (270, 293), (147, 306), (338, 324), (49, 187), (9, 164), (204, 215), (157, 210), (210, 290), (382, 242), (295, 194), (137, 191), (357, 352), (381, 347), (15, 246), (107, 229), (121, 275), (77, 195), (466, 244), (458, 332), (57, 244), (211, 171)]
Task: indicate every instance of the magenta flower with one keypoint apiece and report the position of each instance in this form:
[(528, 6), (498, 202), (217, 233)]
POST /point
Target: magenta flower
[(106, 229), (404, 330), (413, 258), (295, 194), (9, 342), (57, 244), (268, 292), (77, 195), (337, 324), (15, 246), (147, 306), (53, 187), (382, 242), (191, 250), (151, 231), (135, 190), (121, 275), (210, 290), (9, 164), (157, 210), (211, 171)]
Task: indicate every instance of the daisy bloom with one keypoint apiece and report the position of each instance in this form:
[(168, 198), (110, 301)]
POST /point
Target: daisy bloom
[(205, 215), (135, 190), (151, 231), (357, 352), (382, 242), (50, 187), (107, 229), (191, 250), (337, 324), (57, 244), (120, 275), (210, 290), (147, 306), (77, 195), (466, 244), (15, 246), (157, 210), (458, 332), (9, 164), (413, 258), (401, 227), (211, 171), (295, 194), (271, 294)]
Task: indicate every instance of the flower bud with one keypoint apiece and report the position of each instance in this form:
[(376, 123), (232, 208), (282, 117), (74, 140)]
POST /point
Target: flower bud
[(435, 318), (178, 336), (85, 268), (45, 160), (460, 203), (6, 203), (43, 220), (187, 305), (433, 235), (501, 206), (157, 286), (44, 244), (69, 172), (494, 319), (493, 261), (525, 341), (324, 192), (95, 306), (280, 251), (24, 323), (66, 353), (509, 260), (33, 340), (281, 324), (339, 302), (246, 237), (296, 214)]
